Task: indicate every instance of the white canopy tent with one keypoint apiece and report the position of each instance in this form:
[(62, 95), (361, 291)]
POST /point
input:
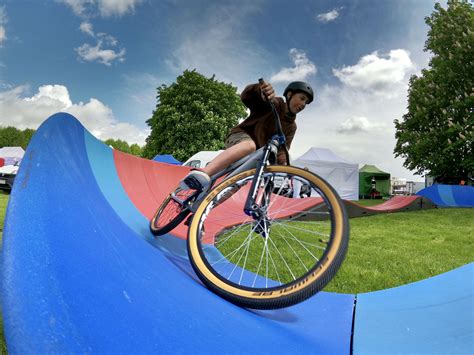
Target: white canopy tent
[(341, 174), (12, 155)]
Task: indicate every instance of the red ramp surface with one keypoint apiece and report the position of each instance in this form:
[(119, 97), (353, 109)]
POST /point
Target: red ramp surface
[(395, 204)]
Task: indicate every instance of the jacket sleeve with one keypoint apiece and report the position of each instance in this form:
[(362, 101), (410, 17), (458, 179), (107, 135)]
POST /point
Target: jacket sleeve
[(252, 98), (281, 157)]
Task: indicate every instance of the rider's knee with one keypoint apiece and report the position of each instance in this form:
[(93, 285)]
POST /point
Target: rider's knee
[(248, 146)]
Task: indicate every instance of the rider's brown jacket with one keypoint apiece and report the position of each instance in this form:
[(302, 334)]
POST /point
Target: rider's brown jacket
[(260, 124)]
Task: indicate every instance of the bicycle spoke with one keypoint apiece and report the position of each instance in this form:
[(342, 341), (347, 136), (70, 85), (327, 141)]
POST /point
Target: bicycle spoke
[(281, 256), (227, 238), (299, 228), (236, 250), (302, 244), (294, 252)]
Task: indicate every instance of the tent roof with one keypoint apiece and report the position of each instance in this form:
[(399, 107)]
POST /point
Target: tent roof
[(166, 158), (12, 152), (322, 154), (371, 169)]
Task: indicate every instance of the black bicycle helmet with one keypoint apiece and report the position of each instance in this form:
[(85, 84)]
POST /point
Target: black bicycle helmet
[(300, 86)]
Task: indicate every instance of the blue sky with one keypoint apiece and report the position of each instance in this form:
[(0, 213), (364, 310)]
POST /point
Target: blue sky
[(102, 60)]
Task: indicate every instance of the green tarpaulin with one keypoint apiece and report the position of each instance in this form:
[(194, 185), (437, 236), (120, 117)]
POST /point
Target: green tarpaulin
[(382, 181)]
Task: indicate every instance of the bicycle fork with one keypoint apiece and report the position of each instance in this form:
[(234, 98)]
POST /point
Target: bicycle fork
[(257, 209)]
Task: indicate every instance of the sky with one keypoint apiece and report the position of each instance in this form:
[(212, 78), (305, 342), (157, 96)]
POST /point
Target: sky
[(102, 61)]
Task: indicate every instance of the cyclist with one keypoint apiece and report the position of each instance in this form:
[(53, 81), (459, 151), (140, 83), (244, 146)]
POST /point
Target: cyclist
[(255, 131)]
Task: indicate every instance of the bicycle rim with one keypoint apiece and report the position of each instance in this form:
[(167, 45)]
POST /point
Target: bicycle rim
[(279, 259), (170, 213)]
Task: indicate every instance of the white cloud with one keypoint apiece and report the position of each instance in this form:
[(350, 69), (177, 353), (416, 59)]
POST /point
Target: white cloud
[(106, 8), (117, 7), (3, 21), (3, 35), (358, 124), (87, 28), (52, 95), (377, 74), (99, 52), (77, 6), (328, 16), (302, 69), (29, 112)]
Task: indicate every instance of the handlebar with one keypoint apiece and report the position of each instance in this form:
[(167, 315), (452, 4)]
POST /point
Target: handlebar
[(278, 125)]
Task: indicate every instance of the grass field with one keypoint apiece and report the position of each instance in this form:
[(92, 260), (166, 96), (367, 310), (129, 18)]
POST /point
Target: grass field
[(392, 249), (371, 202), (395, 249)]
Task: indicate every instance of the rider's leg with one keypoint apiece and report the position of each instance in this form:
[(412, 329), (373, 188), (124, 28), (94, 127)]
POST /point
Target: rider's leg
[(238, 145), (229, 156)]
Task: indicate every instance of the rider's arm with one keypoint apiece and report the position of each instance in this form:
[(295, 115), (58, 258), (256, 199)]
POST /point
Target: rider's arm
[(252, 98)]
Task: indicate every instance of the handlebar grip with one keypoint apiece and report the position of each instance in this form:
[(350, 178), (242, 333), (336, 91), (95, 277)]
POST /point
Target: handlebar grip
[(261, 81)]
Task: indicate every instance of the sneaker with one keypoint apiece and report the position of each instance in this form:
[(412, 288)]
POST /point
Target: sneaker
[(195, 180)]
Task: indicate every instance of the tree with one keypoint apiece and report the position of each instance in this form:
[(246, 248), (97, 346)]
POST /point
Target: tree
[(118, 145), (436, 135), (13, 137), (135, 149), (195, 113), (10, 137), (26, 136)]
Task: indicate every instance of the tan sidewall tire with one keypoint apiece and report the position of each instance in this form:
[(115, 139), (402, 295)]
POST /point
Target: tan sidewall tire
[(339, 234)]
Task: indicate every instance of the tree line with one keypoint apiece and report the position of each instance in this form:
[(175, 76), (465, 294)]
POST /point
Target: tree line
[(14, 137)]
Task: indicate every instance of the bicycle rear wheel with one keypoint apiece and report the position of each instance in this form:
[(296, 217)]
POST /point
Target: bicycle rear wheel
[(172, 211), (282, 257)]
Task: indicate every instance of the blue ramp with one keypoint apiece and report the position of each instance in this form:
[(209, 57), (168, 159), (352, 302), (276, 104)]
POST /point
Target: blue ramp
[(81, 272), (433, 316), (449, 195), (167, 158)]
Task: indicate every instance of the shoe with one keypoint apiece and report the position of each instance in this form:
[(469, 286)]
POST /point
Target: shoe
[(195, 180)]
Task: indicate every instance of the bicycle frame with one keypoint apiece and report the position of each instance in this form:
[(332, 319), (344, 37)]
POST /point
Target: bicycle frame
[(256, 160)]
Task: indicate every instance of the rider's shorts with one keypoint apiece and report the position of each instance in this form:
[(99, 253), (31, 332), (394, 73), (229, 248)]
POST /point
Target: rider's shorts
[(236, 138)]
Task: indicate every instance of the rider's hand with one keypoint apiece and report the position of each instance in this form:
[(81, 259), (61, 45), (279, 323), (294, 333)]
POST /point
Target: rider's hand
[(267, 91)]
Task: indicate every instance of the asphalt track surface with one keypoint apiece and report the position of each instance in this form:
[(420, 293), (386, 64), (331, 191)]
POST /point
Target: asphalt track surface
[(81, 273)]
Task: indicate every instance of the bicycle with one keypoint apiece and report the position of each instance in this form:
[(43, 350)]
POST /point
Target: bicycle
[(250, 240)]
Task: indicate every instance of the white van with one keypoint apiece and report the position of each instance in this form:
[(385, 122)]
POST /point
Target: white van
[(201, 159)]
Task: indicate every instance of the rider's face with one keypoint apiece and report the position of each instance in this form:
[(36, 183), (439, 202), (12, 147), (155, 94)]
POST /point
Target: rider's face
[(298, 102)]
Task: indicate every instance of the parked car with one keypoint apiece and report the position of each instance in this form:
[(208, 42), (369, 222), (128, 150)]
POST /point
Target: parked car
[(7, 176), (201, 159)]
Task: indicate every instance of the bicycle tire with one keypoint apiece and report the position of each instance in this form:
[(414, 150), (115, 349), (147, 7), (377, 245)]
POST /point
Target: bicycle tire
[(210, 263), (169, 215)]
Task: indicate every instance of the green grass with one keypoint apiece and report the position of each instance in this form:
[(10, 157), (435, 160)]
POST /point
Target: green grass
[(3, 208), (395, 249)]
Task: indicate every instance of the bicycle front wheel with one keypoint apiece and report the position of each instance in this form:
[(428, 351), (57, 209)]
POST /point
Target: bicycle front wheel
[(285, 255)]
